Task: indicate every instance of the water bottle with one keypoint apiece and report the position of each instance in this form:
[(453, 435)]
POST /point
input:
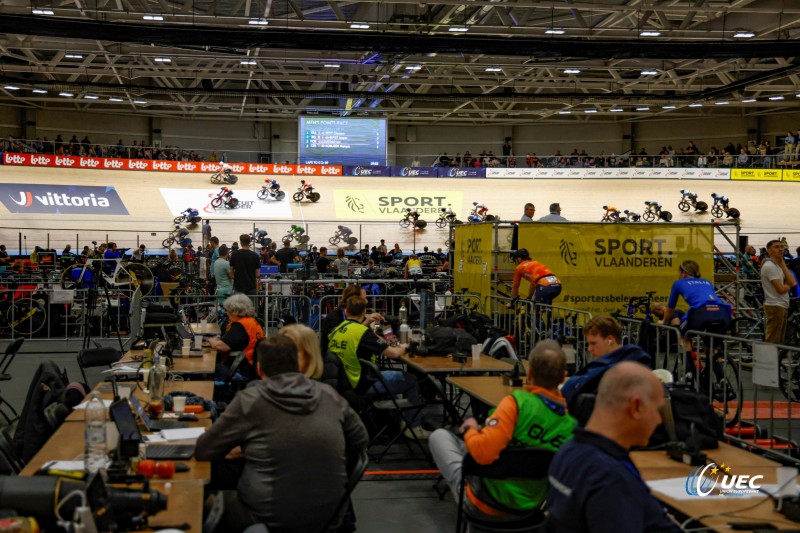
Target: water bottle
[(95, 457), (158, 375), (404, 332), (403, 312), (448, 298)]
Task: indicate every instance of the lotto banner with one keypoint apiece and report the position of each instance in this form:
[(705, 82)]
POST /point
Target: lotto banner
[(473, 259), (757, 174), (108, 163), (385, 204), (601, 266)]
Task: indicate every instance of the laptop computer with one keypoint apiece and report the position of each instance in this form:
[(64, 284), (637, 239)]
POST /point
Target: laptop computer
[(123, 418), (149, 423)]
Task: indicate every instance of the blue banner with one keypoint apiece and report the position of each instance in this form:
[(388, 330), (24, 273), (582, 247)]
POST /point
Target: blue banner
[(366, 171), (61, 199), (415, 172), (461, 172)]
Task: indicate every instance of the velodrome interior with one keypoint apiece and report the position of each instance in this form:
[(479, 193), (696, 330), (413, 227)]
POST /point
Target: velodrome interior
[(237, 91)]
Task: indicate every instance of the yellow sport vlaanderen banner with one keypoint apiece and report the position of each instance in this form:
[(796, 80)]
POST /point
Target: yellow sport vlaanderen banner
[(387, 204), (601, 266), (757, 174), (473, 259)]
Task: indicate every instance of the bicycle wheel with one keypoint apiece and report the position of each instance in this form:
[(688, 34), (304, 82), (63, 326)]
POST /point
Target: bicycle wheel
[(139, 276), (280, 195), (726, 389), (649, 216), (302, 239), (441, 223), (298, 196), (734, 213), (404, 223), (666, 216), (26, 316), (701, 206), (74, 278), (169, 241), (177, 220), (334, 240), (216, 202), (315, 196), (262, 194), (716, 211), (216, 178), (684, 206)]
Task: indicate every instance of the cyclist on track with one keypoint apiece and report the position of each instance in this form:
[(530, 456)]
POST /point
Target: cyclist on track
[(272, 184), (296, 230), (720, 199), (479, 209), (689, 194), (706, 311), (225, 168), (345, 232), (412, 213), (545, 286)]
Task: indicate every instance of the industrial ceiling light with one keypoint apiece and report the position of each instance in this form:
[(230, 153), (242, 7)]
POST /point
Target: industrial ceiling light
[(73, 55), (42, 11), (39, 91), (564, 112), (413, 67), (649, 33), (590, 110), (572, 71), (748, 100), (332, 65), (669, 106), (10, 87), (696, 104), (744, 34), (555, 31), (247, 62), (162, 60), (724, 102), (616, 110), (115, 99), (91, 97), (66, 94), (649, 72), (458, 29), (258, 22), (152, 17), (643, 108), (776, 97), (358, 26), (493, 69), (140, 102)]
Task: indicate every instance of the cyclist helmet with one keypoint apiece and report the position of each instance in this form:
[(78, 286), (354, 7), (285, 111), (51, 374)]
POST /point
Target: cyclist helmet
[(684, 191), (605, 207), (522, 253), (302, 182), (713, 195)]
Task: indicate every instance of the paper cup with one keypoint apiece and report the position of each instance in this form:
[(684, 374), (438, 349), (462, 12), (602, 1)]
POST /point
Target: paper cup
[(204, 325), (476, 352), (124, 391), (179, 404), (198, 342)]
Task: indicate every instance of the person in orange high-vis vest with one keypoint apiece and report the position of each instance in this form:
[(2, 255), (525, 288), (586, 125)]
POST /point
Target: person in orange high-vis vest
[(241, 335)]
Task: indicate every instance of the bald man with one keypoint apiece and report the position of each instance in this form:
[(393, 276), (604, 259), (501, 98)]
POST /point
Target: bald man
[(594, 485)]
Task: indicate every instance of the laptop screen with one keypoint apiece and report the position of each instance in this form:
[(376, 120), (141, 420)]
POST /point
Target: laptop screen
[(124, 420), (140, 412)]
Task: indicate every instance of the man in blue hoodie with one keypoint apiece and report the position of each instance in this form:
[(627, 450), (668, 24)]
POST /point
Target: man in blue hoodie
[(604, 341)]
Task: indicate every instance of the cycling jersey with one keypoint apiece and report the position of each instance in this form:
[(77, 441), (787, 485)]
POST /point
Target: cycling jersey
[(534, 272), (697, 292)]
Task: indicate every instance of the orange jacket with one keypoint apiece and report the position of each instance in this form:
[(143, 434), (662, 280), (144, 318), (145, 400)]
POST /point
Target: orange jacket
[(533, 271)]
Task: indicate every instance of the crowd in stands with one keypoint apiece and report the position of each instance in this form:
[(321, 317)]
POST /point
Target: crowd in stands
[(85, 148)]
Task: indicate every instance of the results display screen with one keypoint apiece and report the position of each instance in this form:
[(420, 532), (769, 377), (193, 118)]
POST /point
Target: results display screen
[(342, 141)]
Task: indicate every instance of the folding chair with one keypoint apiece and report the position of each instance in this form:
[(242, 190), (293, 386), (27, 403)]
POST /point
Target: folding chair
[(355, 473), (8, 358), (396, 409), (95, 357), (513, 463), (225, 390)]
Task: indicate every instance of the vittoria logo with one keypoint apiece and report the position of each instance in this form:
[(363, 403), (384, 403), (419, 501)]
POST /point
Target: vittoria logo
[(60, 199)]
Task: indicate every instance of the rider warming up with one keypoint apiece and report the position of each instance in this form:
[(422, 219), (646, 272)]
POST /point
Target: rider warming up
[(544, 285)]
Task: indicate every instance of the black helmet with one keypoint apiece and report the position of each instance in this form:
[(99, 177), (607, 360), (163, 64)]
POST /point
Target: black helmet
[(522, 253)]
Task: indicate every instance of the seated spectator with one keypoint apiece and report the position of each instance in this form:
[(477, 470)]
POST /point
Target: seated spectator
[(594, 485), (295, 436), (352, 340), (742, 160), (413, 267), (241, 335), (604, 341), (397, 253), (538, 405), (337, 316), (309, 358)]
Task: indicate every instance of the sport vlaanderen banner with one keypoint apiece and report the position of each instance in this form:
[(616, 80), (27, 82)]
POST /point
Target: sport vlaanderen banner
[(601, 266)]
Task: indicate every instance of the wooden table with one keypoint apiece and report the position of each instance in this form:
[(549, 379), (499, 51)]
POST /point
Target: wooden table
[(657, 465), (446, 365), (188, 366), (200, 388), (487, 389), (184, 504), (212, 328)]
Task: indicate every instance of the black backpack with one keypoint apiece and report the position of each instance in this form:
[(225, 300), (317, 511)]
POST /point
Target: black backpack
[(442, 340), (691, 408)]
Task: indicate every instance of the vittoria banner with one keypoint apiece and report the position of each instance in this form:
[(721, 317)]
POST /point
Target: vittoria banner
[(61, 199)]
